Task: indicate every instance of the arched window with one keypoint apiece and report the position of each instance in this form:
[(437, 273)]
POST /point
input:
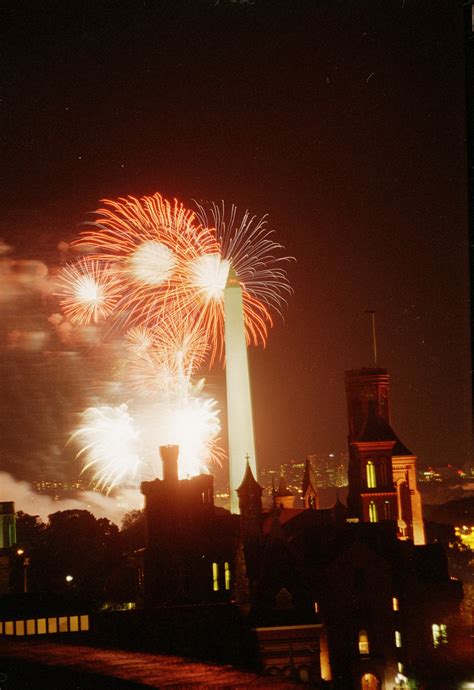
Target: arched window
[(371, 478), (373, 517), (387, 511), (363, 642)]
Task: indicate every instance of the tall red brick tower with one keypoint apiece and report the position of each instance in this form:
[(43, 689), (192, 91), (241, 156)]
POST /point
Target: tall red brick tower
[(379, 463)]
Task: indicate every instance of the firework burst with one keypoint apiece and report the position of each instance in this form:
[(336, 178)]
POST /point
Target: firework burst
[(108, 439), (89, 291), (149, 243)]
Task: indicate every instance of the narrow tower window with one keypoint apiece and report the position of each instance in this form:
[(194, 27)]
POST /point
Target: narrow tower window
[(440, 634), (371, 479), (387, 511), (227, 575), (373, 517), (398, 639), (363, 642), (395, 603), (215, 577)]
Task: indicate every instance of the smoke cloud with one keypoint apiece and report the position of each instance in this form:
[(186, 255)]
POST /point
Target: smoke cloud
[(33, 503)]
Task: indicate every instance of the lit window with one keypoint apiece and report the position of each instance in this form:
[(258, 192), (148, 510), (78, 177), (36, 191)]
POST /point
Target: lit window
[(316, 607), (371, 479), (363, 642), (84, 621), (20, 627), (398, 639), (387, 511), (440, 634), (395, 603), (215, 577), (63, 624), (52, 625), (8, 627), (30, 626), (227, 575), (1, 627), (372, 512), (73, 623), (41, 626), (400, 667)]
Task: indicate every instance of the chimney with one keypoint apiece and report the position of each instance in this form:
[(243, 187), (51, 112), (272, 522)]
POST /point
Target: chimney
[(169, 457)]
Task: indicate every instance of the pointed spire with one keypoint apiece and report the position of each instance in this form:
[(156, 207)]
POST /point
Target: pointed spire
[(232, 278), (249, 483)]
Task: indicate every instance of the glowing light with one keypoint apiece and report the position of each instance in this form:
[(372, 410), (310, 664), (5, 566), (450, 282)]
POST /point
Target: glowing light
[(109, 441), (89, 291), (152, 263), (209, 275)]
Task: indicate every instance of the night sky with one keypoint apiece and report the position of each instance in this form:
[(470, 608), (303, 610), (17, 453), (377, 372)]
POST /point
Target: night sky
[(344, 121)]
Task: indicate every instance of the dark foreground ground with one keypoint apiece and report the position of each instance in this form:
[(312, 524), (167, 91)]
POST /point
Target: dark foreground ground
[(49, 666)]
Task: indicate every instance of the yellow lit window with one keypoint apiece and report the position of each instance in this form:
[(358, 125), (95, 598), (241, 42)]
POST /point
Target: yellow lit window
[(73, 623), (395, 603), (371, 478), (363, 642), (316, 607), (440, 634), (84, 621), (30, 627), (20, 628), (1, 627), (227, 575), (41, 626), (9, 628), (63, 624), (373, 517), (215, 577), (398, 639), (52, 625)]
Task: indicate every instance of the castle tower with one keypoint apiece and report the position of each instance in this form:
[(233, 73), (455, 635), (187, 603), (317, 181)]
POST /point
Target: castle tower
[(367, 392), (239, 400), (250, 505), (372, 496)]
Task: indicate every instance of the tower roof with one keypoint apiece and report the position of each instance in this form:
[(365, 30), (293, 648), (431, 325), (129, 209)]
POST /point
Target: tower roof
[(282, 490), (378, 429), (308, 479), (249, 483)]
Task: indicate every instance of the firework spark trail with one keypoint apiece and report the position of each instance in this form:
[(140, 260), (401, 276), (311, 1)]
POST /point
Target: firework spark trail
[(108, 439), (149, 242), (162, 270), (88, 290)]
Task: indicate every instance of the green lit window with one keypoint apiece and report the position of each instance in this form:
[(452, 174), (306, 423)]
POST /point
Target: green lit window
[(440, 634), (363, 642), (227, 575), (373, 517), (371, 478), (398, 639), (215, 577)]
